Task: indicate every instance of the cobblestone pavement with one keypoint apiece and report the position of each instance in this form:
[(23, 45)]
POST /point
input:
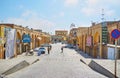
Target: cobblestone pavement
[(57, 65)]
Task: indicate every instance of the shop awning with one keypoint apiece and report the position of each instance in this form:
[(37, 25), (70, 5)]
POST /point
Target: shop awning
[(39, 38)]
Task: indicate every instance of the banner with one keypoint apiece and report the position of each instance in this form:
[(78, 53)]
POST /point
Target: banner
[(10, 43), (89, 41)]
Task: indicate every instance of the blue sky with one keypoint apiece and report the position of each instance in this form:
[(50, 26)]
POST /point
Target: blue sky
[(51, 15)]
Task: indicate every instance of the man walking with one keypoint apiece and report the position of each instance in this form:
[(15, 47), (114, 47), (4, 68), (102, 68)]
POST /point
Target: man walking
[(62, 49), (48, 49)]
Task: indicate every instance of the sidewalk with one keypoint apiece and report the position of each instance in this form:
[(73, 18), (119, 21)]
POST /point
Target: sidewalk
[(106, 64), (9, 64), (85, 57), (109, 65)]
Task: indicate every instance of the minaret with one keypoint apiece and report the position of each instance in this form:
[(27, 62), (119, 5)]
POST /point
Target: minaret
[(72, 25), (102, 15)]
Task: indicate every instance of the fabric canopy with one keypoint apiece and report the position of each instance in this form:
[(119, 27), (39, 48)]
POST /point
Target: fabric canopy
[(39, 38)]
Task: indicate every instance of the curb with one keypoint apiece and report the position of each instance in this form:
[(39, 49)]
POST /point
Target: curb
[(35, 61)]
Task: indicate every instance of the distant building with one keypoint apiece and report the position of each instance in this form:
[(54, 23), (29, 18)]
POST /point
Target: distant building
[(60, 36), (73, 36), (39, 30), (61, 32)]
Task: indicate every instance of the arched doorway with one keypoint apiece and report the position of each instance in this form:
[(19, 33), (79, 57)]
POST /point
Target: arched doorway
[(82, 42), (85, 39), (96, 41), (18, 43), (33, 41), (39, 40), (26, 40)]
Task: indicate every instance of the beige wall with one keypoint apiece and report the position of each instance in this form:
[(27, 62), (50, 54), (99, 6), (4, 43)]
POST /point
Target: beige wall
[(35, 38), (97, 49)]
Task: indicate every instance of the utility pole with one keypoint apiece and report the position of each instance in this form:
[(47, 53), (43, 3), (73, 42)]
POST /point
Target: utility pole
[(115, 36), (115, 59)]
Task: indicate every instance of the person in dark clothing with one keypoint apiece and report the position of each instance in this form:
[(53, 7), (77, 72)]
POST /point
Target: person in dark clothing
[(48, 50), (61, 49), (50, 47)]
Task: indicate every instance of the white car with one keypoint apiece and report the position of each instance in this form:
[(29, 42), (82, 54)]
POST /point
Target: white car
[(36, 49)]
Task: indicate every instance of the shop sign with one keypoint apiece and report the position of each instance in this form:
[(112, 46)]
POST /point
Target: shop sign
[(104, 32), (26, 38)]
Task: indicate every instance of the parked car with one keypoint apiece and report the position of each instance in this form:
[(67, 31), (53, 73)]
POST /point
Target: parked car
[(36, 49), (40, 50), (69, 46)]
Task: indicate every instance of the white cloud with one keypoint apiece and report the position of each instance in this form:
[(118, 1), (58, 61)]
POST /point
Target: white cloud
[(71, 2), (94, 7), (32, 20), (92, 2)]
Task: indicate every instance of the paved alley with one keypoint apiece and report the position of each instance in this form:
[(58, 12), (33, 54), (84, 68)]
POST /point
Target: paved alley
[(58, 65)]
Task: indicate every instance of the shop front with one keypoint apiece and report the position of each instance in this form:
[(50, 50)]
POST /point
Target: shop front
[(96, 42), (18, 43), (2, 52), (39, 41), (26, 40), (89, 45), (3, 34)]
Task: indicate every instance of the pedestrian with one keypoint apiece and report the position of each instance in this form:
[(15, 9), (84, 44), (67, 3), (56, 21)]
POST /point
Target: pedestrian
[(48, 49), (62, 49)]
